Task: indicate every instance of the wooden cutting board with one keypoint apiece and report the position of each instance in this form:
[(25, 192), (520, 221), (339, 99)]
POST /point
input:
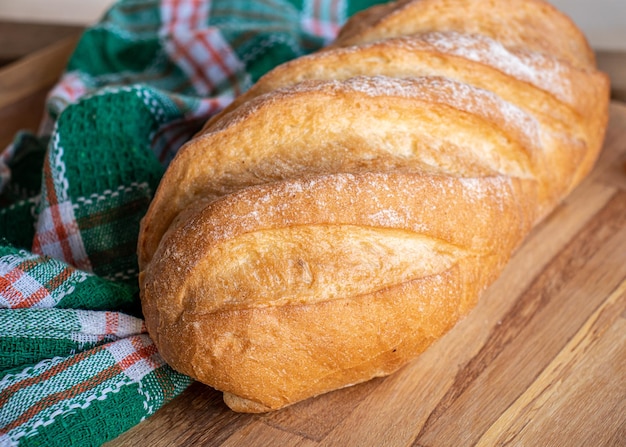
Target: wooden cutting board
[(540, 362)]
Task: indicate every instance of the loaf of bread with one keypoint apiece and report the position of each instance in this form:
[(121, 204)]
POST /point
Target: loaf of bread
[(351, 207)]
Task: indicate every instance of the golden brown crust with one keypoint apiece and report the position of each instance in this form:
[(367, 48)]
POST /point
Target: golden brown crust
[(384, 209), (473, 59), (361, 124), (180, 310), (533, 25), (351, 207), (330, 344)]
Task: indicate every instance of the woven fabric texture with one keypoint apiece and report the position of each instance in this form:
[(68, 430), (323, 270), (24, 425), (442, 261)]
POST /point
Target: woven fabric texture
[(76, 364)]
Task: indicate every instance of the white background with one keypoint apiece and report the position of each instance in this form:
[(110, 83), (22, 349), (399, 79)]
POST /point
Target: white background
[(603, 21)]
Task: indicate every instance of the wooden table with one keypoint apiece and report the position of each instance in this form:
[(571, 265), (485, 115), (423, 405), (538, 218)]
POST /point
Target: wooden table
[(540, 362)]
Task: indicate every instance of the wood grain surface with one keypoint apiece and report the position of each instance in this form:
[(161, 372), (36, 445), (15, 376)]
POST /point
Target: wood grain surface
[(20, 39), (24, 85), (540, 362)]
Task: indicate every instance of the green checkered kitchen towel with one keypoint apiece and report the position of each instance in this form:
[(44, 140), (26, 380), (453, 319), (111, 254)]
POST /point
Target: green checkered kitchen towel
[(76, 364)]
